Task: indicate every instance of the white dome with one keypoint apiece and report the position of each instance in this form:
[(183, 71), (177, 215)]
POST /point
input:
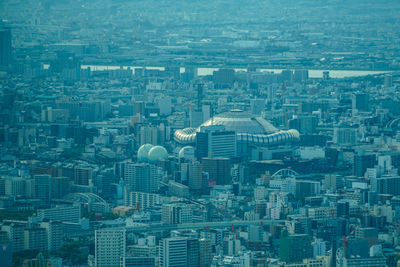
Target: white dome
[(143, 152), (186, 152), (157, 153)]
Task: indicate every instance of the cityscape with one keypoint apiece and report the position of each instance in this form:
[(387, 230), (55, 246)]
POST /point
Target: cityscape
[(210, 133)]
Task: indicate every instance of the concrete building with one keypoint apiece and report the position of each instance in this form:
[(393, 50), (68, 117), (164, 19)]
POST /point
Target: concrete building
[(110, 247)]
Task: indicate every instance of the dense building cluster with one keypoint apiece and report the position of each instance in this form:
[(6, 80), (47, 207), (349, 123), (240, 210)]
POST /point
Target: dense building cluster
[(106, 160)]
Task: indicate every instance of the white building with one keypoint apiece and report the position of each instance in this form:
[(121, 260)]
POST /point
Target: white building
[(110, 247)]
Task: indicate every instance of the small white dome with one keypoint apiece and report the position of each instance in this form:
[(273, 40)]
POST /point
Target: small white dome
[(186, 152), (143, 152), (157, 153)]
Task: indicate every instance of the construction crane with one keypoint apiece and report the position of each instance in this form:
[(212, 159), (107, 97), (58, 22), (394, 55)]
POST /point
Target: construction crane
[(345, 240)]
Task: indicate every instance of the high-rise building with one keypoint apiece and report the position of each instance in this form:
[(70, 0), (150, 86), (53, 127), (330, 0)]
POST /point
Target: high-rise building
[(15, 234), (35, 238), (345, 135), (141, 177), (59, 187), (110, 247), (294, 248), (54, 232), (362, 162), (214, 142), (193, 252), (14, 186), (305, 124), (5, 47), (195, 175), (218, 170), (176, 213), (43, 187), (360, 102), (151, 134), (82, 175), (333, 181), (205, 252), (387, 185), (173, 252), (231, 244)]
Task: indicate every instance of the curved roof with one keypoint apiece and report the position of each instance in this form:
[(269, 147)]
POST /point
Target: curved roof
[(143, 152), (157, 153), (241, 122), (249, 128)]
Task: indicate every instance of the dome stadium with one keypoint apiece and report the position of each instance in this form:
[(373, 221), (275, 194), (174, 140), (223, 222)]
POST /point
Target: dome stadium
[(249, 129)]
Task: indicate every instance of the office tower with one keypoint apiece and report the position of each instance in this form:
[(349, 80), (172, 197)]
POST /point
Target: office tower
[(294, 248), (61, 213), (176, 213), (195, 175), (306, 188), (15, 234), (35, 238), (141, 177), (345, 135), (106, 184), (333, 181), (5, 47), (59, 187), (387, 185), (218, 170), (43, 187), (305, 124), (362, 162), (360, 102), (213, 142), (193, 252), (205, 252), (110, 247), (82, 176), (173, 252), (54, 233)]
